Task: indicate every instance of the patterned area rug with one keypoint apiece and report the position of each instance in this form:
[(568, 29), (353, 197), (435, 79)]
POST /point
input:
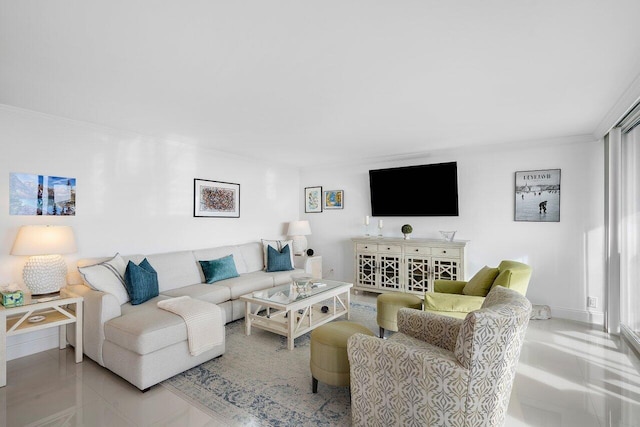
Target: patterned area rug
[(258, 382)]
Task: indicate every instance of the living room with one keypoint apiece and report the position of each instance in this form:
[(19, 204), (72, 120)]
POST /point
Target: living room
[(135, 138)]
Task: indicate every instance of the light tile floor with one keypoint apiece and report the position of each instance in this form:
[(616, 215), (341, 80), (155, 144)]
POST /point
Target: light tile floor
[(570, 374)]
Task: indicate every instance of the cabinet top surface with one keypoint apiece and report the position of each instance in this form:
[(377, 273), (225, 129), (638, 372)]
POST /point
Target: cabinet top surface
[(421, 241)]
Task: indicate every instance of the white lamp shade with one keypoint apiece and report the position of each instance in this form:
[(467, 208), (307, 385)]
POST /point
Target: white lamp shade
[(45, 271), (44, 240), (299, 228)]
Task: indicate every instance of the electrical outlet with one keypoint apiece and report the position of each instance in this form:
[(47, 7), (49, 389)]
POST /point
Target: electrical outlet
[(592, 302)]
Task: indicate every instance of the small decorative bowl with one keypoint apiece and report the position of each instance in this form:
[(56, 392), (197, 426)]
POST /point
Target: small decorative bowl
[(448, 235), (301, 281)]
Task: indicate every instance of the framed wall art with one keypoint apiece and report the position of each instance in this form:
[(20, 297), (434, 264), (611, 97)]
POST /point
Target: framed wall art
[(333, 199), (313, 199), (215, 199), (31, 194), (537, 195)]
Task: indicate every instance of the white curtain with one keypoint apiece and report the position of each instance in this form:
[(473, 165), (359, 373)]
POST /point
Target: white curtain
[(629, 233)]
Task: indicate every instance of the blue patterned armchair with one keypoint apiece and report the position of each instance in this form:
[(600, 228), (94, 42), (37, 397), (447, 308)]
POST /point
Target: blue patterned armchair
[(439, 370)]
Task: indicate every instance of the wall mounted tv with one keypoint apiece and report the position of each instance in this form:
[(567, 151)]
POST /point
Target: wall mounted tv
[(425, 190)]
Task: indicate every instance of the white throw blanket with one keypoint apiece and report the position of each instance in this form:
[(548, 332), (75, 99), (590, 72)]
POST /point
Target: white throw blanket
[(205, 329)]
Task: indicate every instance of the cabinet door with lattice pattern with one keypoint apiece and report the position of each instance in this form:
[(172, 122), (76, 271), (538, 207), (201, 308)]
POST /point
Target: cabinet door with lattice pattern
[(389, 270), (366, 270), (447, 269), (417, 275)]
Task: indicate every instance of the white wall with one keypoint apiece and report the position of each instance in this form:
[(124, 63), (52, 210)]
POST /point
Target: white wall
[(134, 193), (567, 257)]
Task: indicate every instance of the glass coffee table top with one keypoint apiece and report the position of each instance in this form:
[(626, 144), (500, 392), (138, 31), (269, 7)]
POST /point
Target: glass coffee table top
[(286, 294)]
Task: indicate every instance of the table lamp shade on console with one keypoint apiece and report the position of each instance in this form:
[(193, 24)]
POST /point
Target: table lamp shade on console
[(297, 231), (45, 271)]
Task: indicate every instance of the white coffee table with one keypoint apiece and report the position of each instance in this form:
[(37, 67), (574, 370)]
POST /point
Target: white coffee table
[(285, 311)]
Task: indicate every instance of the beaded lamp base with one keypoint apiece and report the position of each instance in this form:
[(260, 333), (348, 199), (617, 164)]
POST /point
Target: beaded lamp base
[(44, 274), (299, 244)]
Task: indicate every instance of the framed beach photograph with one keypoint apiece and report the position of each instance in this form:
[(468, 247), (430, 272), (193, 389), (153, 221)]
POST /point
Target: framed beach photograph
[(333, 199), (313, 199), (537, 195), (215, 199)]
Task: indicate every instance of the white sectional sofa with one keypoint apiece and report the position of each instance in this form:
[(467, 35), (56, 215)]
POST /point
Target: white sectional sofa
[(145, 344)]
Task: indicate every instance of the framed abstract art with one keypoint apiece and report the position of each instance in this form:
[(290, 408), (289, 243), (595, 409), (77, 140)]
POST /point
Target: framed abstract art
[(313, 199), (216, 199), (333, 199)]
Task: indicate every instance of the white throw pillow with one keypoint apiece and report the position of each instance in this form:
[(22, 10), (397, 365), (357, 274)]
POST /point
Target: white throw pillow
[(277, 245), (107, 277)]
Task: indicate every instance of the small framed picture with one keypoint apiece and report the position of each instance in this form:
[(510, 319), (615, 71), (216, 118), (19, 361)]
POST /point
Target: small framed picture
[(537, 195), (333, 199), (313, 199), (215, 199)]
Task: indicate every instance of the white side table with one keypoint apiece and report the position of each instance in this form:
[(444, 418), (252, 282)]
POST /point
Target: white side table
[(15, 321), (312, 265)]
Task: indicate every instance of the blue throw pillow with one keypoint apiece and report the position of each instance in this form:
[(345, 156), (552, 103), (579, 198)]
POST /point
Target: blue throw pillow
[(278, 261), (141, 282), (219, 269)]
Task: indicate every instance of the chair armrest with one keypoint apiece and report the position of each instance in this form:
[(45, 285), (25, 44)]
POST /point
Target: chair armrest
[(391, 371), (448, 286), (434, 301), (439, 330)]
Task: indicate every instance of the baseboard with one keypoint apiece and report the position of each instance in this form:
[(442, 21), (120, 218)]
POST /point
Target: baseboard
[(593, 317), (631, 336), (31, 343)]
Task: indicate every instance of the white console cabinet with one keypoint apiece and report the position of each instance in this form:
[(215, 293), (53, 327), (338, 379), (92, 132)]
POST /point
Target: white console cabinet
[(395, 264)]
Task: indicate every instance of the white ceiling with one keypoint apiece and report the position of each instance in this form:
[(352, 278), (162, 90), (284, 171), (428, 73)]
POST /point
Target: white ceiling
[(305, 81)]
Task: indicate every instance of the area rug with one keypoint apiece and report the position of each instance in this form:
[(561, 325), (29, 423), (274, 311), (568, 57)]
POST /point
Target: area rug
[(259, 382)]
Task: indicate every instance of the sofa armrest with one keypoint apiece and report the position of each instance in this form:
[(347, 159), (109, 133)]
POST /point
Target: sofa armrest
[(441, 331), (99, 308), (449, 286), (389, 371)]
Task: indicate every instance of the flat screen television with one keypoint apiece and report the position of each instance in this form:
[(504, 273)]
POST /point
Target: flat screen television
[(425, 190)]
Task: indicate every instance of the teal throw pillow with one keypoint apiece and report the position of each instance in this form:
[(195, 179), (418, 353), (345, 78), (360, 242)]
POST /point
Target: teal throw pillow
[(141, 282), (279, 261), (219, 269)]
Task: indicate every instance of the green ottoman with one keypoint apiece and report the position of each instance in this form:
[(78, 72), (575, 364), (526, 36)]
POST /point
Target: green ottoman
[(329, 361), (388, 306)]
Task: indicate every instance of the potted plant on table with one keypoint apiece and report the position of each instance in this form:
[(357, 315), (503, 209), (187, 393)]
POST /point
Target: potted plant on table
[(406, 230)]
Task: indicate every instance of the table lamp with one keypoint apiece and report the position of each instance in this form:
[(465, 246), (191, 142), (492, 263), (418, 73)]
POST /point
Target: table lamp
[(297, 231), (45, 271)]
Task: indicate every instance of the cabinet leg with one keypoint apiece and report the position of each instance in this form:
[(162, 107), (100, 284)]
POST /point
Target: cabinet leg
[(381, 332), (314, 385)]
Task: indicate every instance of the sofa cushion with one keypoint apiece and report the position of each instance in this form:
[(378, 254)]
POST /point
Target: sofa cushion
[(141, 282), (219, 269), (283, 277), (480, 284), (279, 260), (145, 328), (220, 252), (247, 283), (107, 276), (252, 253), (175, 269), (214, 294)]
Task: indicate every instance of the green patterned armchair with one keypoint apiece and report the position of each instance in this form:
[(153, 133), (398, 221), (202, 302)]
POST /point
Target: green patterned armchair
[(456, 298), (439, 370)]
